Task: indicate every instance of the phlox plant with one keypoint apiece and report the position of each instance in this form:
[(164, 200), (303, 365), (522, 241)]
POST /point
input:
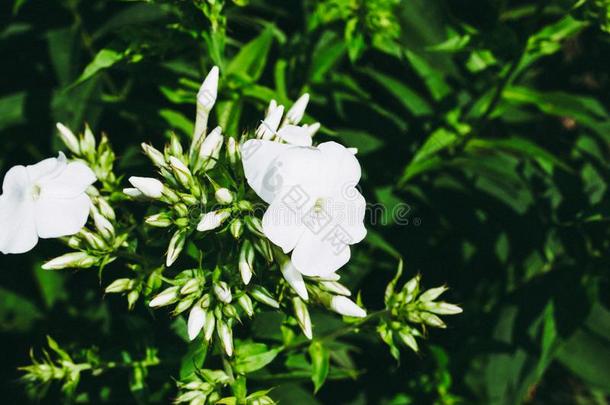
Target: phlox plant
[(255, 226)]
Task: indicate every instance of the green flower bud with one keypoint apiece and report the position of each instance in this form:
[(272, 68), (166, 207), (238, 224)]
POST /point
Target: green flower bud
[(302, 315), (263, 296), (237, 228)]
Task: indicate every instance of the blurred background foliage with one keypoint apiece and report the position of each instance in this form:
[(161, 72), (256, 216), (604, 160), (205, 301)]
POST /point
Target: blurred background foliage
[(488, 118)]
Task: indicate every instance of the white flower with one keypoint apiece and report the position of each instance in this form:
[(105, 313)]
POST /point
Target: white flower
[(212, 220), (165, 297), (45, 200), (315, 210), (151, 188), (344, 306)]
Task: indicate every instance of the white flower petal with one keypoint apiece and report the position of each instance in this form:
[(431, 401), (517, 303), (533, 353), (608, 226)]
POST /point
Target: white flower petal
[(349, 214), (258, 157), (295, 279), (56, 217), (17, 223), (341, 166), (282, 222), (47, 169), (295, 135), (320, 254), (72, 181)]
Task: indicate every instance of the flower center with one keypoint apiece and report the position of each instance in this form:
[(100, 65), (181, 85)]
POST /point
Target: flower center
[(35, 192), (318, 206)]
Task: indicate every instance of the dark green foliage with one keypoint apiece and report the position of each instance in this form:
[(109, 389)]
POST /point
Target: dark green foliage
[(488, 119)]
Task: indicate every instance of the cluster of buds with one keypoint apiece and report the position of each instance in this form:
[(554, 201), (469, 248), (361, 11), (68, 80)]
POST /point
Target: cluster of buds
[(412, 306), (193, 196), (99, 156), (206, 388), (278, 126), (59, 365), (213, 307)]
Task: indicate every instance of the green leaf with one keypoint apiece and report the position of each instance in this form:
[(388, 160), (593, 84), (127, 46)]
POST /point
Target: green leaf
[(328, 52), (521, 146), (412, 101), (104, 59), (12, 109), (51, 285), (320, 362), (17, 313), (252, 57), (432, 77), (177, 120), (194, 358), (250, 357)]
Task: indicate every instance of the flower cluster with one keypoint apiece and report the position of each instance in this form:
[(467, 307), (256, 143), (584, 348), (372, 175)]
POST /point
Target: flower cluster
[(412, 306), (226, 261)]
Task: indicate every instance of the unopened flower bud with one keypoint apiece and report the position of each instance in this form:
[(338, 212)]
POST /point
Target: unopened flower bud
[(408, 339), (160, 220), (176, 244), (103, 225), (254, 225), (302, 315), (120, 285), (92, 239), (151, 188), (183, 305), (263, 296), (432, 320), (132, 298), (223, 196), (190, 286), (232, 150), (210, 150), (237, 228), (268, 127), (297, 111), (206, 98), (312, 129), (246, 260), (432, 294), (70, 260), (68, 138), (105, 208), (223, 292), (344, 306), (229, 311), (226, 336), (294, 279), (181, 171), (246, 304), (132, 192), (155, 155), (208, 326), (166, 297), (335, 287), (87, 144), (441, 308), (197, 318), (212, 220)]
